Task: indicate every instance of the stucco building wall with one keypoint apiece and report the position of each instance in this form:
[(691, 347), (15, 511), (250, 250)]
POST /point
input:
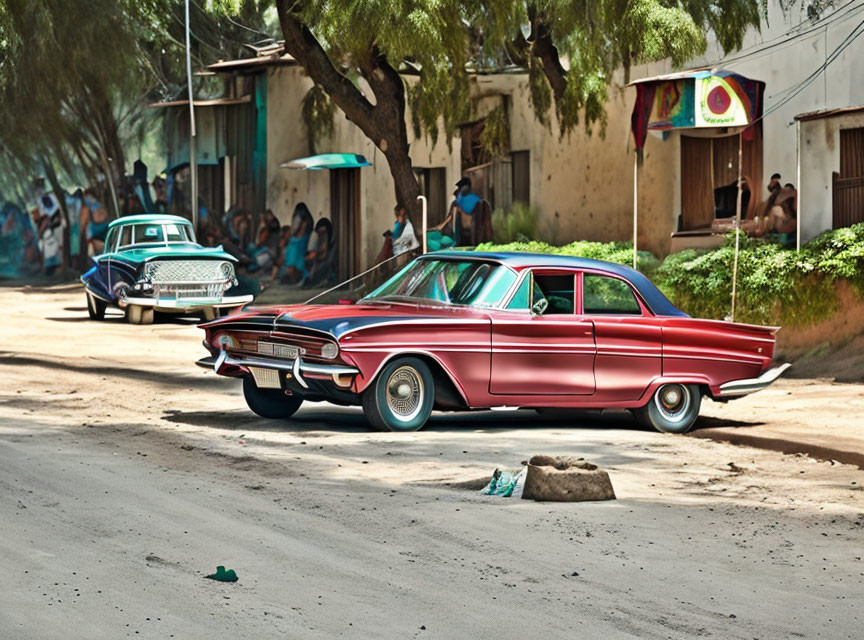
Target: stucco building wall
[(820, 157)]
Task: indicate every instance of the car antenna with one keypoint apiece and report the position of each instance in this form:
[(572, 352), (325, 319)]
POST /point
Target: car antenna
[(359, 275)]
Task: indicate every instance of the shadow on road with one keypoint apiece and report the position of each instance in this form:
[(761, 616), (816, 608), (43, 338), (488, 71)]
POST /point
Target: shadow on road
[(160, 377)]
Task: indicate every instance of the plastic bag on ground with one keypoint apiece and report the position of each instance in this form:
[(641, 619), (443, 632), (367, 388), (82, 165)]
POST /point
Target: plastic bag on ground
[(506, 483)]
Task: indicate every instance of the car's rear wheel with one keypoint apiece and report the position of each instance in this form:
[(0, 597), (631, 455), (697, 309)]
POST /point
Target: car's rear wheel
[(136, 314), (270, 403), (672, 409), (95, 307), (401, 397)]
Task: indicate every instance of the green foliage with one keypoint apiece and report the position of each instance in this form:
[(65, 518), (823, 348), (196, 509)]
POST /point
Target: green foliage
[(317, 112), (775, 285), (517, 225), (618, 252), (495, 136), (76, 75), (597, 38)]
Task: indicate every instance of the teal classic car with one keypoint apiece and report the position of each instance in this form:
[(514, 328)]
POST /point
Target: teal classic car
[(153, 263)]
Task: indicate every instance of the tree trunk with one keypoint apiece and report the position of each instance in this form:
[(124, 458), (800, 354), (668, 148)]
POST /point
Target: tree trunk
[(383, 123)]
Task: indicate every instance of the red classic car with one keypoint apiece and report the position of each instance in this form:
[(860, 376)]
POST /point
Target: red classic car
[(458, 330)]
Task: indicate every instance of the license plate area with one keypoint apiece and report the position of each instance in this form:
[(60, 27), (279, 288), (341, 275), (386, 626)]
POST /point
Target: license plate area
[(265, 378), (278, 350)]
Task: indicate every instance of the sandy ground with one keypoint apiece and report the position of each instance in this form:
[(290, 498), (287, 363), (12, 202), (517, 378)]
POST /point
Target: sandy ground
[(127, 474)]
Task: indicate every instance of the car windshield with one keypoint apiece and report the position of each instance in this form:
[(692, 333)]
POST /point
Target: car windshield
[(477, 283), (156, 233)]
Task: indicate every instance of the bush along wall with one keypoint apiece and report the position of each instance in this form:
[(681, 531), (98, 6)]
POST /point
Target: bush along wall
[(775, 285)]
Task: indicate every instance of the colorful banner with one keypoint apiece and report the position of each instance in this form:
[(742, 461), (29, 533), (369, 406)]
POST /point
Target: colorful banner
[(695, 99)]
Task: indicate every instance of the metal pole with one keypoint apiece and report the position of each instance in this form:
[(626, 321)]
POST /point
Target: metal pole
[(105, 164), (635, 204), (798, 185), (193, 160), (425, 204), (737, 223)]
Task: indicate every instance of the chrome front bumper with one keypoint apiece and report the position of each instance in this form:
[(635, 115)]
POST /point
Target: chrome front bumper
[(736, 388), (171, 304), (297, 368)]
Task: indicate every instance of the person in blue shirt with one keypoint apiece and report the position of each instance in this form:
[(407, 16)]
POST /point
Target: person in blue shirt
[(462, 208)]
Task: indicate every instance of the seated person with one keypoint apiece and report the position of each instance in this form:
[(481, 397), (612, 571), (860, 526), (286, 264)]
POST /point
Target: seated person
[(321, 263), (294, 256)]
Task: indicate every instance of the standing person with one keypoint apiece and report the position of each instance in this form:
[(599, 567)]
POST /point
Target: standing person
[(462, 212), (160, 190), (97, 223), (51, 233)]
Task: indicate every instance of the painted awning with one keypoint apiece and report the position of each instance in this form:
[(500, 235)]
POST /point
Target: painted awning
[(328, 161), (695, 99)]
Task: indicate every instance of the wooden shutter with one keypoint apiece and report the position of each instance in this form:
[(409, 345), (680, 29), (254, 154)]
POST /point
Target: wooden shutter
[(697, 192)]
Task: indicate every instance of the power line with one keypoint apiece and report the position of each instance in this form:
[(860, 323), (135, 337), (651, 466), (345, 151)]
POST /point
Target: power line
[(784, 40), (794, 91)]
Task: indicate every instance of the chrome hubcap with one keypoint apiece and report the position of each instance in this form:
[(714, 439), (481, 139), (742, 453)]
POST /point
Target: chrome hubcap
[(673, 401), (405, 393)]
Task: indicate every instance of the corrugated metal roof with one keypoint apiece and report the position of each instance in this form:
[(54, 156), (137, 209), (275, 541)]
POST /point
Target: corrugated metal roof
[(827, 113)]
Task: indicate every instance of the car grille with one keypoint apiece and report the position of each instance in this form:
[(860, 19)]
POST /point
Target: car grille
[(189, 271), (279, 350), (203, 291)]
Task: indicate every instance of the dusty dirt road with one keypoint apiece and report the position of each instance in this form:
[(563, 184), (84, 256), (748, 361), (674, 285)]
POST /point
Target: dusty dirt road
[(127, 474)]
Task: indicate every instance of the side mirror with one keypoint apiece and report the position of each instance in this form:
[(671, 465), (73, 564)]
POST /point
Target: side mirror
[(539, 307)]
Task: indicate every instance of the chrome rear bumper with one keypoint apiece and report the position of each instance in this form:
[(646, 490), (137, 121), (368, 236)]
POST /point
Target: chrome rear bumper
[(295, 367), (735, 388)]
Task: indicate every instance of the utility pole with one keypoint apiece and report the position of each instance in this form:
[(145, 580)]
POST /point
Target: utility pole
[(193, 160)]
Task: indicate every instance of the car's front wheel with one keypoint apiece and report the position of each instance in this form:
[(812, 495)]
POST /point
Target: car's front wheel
[(401, 397), (270, 403), (95, 307), (672, 409)]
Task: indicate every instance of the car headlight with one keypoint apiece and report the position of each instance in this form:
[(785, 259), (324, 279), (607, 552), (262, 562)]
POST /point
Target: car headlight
[(149, 270), (330, 350), (227, 270), (224, 341)]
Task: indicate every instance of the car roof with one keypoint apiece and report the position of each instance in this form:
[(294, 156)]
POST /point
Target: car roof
[(653, 297), (148, 218)]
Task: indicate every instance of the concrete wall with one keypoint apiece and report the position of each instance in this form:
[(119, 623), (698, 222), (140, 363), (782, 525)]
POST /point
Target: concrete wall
[(287, 140), (820, 157), (582, 184)]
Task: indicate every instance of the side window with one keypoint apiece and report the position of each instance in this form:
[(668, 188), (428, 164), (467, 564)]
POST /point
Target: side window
[(605, 295), (558, 291), (126, 235), (521, 300), (109, 241)]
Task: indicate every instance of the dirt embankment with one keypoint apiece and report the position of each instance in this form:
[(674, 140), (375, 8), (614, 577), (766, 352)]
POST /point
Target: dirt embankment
[(833, 348)]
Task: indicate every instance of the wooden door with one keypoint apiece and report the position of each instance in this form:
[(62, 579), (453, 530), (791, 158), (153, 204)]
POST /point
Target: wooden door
[(848, 185), (345, 216), (697, 191)]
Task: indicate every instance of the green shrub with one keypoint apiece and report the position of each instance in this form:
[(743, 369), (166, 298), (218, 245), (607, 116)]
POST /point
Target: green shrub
[(775, 285), (618, 252), (517, 225)]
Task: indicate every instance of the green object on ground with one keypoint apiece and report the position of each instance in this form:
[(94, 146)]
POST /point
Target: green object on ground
[(504, 483), (222, 575)]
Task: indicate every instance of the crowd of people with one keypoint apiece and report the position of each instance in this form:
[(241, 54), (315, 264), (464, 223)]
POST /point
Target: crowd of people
[(301, 253), (32, 240)]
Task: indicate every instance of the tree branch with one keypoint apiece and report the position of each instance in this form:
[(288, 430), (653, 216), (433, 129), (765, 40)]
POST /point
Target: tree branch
[(301, 43)]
